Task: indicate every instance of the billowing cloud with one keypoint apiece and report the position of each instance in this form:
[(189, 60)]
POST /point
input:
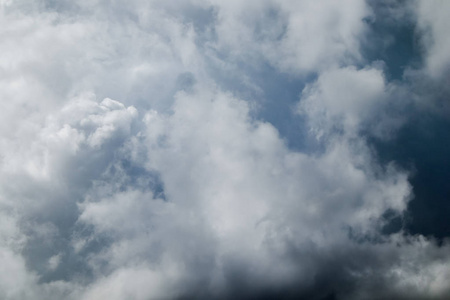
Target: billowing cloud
[(137, 161), (294, 36)]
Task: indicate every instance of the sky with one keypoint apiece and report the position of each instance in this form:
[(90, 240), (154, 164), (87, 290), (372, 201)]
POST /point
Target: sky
[(210, 149)]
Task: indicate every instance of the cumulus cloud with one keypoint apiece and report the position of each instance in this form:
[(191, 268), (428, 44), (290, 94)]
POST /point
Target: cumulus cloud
[(294, 36), (135, 163)]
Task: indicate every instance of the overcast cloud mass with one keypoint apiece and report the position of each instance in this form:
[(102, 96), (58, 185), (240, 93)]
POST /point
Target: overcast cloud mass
[(211, 149)]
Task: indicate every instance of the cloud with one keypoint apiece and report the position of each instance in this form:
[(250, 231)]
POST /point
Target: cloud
[(296, 37), (251, 211), (136, 162), (342, 99), (432, 22)]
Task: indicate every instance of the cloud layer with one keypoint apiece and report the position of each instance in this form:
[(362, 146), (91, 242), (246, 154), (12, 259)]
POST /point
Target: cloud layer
[(144, 150)]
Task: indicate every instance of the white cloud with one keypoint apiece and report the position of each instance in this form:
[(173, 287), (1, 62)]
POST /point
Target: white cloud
[(433, 22), (54, 261), (296, 36), (174, 188), (239, 199), (343, 99)]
